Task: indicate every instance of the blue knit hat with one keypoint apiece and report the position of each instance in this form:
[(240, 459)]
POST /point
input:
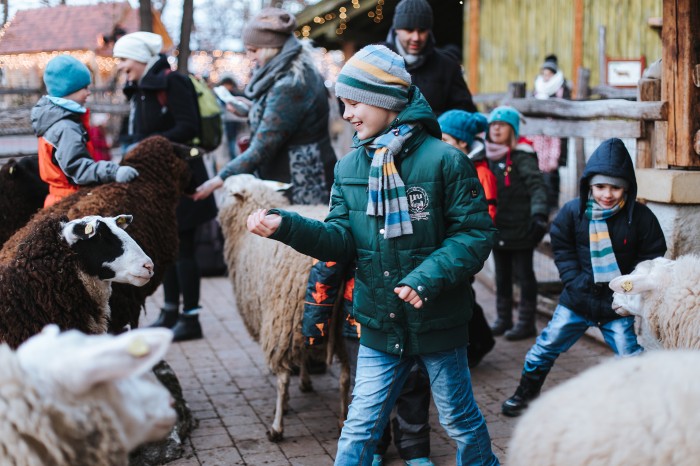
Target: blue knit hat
[(375, 76), (462, 125), (507, 115), (64, 75)]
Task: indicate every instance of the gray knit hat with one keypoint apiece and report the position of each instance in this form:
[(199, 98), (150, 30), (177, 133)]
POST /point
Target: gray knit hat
[(375, 76), (611, 180), (270, 28), (413, 14)]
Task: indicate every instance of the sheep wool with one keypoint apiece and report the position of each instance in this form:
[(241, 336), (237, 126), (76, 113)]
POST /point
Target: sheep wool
[(269, 281), (49, 419), (665, 295), (151, 198), (639, 410), (22, 193)]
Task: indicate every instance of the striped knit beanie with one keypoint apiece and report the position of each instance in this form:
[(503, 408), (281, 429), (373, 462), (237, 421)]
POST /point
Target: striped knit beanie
[(375, 76)]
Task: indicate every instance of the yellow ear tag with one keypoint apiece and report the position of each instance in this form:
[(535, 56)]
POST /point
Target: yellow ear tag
[(12, 170), (194, 152), (121, 221), (627, 286), (88, 229), (138, 348)]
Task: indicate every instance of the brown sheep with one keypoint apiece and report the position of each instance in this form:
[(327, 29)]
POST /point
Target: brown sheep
[(22, 193), (151, 198)]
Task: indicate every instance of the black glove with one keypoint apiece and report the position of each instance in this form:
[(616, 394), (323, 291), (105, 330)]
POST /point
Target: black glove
[(538, 227)]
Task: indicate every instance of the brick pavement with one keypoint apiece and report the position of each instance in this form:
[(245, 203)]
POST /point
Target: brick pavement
[(231, 392)]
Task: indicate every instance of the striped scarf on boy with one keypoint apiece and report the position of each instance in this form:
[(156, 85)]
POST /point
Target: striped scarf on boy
[(387, 192), (603, 260)]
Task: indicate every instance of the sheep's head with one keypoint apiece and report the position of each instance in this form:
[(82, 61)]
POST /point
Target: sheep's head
[(240, 189), (104, 370), (106, 251), (631, 291)]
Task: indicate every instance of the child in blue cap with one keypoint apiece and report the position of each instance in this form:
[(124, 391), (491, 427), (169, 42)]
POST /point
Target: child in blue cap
[(521, 221), (60, 121)]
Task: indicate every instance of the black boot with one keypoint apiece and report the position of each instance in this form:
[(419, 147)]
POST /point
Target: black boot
[(525, 328), (167, 319), (528, 390), (481, 339), (187, 328), (504, 319)]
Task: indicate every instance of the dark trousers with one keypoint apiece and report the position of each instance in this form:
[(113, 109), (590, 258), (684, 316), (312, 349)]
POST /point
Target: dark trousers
[(518, 262), (183, 277)]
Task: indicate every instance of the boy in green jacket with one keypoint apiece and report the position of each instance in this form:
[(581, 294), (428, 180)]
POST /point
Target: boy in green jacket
[(411, 211)]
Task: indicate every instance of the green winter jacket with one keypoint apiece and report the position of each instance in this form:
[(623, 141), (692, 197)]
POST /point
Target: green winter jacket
[(452, 237)]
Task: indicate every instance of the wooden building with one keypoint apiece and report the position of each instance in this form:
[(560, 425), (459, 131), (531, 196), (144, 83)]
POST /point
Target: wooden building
[(34, 36)]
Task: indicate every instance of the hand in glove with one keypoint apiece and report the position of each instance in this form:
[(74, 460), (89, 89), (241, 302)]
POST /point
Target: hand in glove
[(538, 227), (126, 174)]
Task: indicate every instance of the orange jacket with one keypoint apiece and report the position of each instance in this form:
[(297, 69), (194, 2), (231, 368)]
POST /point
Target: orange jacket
[(488, 181)]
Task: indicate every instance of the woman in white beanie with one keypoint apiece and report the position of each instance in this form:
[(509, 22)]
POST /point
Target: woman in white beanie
[(165, 103), (289, 116)]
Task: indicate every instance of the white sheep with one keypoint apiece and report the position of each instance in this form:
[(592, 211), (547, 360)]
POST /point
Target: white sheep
[(269, 281), (632, 411), (69, 399), (665, 295)]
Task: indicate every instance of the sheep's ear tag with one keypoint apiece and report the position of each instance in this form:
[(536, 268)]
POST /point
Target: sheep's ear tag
[(138, 348), (12, 170), (194, 152), (89, 229), (121, 221), (627, 286)]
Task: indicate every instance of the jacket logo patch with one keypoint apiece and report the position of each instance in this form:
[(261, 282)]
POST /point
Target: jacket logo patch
[(418, 202)]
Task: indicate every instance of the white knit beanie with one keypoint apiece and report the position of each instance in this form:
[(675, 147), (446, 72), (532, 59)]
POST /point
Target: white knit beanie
[(140, 46)]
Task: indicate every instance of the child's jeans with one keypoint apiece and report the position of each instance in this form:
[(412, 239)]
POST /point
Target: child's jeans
[(566, 327), (379, 379)]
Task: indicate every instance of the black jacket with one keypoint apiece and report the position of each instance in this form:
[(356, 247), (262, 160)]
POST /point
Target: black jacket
[(165, 103), (634, 231), (439, 79)]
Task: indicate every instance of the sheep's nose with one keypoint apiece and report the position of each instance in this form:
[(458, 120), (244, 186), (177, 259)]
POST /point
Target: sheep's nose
[(149, 266)]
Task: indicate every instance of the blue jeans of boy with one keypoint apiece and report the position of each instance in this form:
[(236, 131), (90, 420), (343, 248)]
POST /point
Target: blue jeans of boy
[(378, 382), (566, 327)]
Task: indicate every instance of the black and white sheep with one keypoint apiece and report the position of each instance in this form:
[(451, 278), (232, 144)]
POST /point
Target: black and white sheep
[(640, 410), (62, 272), (269, 281), (665, 296), (151, 198), (69, 399), (22, 194)]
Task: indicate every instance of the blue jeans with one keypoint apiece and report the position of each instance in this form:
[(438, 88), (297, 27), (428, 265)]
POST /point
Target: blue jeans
[(566, 327), (379, 379)]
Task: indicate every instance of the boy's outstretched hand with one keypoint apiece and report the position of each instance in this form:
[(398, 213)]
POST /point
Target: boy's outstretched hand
[(409, 295), (262, 224)]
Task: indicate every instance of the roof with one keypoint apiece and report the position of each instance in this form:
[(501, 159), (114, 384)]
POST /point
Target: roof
[(70, 27)]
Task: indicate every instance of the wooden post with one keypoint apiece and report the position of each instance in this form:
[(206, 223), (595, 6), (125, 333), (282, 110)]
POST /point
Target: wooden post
[(577, 45), (516, 90), (582, 91), (680, 56), (647, 90), (603, 73), (473, 72)]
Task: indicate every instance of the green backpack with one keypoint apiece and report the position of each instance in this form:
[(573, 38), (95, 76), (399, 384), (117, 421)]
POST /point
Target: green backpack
[(210, 121)]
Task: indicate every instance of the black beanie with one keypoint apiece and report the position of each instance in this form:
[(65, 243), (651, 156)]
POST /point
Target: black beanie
[(550, 63), (413, 14)]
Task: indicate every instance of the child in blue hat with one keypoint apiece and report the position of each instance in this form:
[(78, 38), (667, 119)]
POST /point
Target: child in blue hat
[(61, 121), (521, 221)]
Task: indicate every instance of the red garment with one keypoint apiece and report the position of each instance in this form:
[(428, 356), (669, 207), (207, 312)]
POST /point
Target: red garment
[(100, 147), (488, 181)]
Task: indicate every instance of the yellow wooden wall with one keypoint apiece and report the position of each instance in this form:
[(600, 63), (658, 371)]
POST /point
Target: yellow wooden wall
[(516, 35)]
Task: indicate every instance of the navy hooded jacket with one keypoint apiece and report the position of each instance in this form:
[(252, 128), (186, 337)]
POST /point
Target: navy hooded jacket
[(634, 231)]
